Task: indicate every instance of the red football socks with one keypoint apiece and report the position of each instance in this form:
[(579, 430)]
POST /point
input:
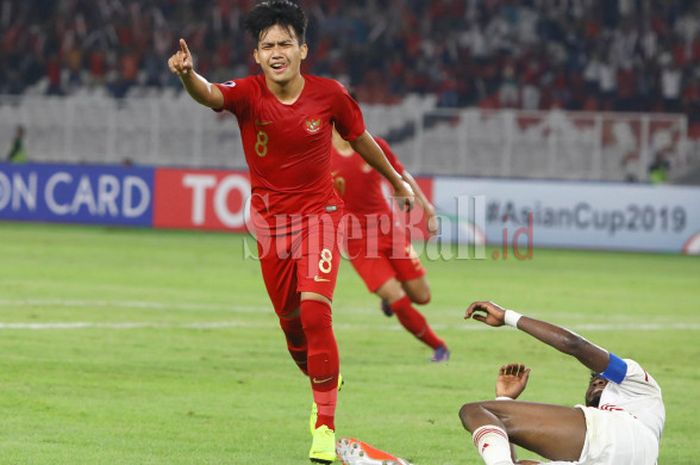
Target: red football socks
[(415, 322), (323, 361), (296, 341)]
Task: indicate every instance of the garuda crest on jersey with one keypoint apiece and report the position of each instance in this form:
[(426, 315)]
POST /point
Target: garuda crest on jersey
[(313, 125)]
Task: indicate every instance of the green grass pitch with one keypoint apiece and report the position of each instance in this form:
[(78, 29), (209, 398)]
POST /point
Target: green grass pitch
[(143, 347)]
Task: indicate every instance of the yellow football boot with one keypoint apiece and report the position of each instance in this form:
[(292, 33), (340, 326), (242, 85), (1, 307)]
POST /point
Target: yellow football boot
[(323, 445)]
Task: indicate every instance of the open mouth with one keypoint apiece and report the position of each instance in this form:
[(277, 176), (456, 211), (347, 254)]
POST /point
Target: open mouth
[(279, 68)]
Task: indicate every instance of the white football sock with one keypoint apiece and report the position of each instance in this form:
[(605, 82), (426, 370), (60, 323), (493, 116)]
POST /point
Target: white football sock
[(492, 444)]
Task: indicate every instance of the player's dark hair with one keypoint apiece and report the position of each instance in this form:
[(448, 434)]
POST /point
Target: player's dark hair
[(269, 13)]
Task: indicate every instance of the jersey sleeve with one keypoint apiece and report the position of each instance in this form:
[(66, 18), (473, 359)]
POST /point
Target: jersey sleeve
[(630, 377), (390, 155), (236, 94), (347, 115)]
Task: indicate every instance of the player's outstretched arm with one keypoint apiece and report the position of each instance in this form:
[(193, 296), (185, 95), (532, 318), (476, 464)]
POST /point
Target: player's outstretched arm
[(428, 208), (492, 314), (370, 151), (204, 92)]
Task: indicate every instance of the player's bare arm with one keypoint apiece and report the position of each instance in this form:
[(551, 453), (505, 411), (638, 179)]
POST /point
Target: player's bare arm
[(428, 208), (592, 356), (370, 151), (201, 90)]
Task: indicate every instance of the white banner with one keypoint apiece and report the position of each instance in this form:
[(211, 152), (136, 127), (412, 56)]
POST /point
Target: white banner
[(576, 215)]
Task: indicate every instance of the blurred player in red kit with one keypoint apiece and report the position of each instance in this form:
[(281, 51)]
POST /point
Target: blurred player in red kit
[(286, 119), (379, 245)]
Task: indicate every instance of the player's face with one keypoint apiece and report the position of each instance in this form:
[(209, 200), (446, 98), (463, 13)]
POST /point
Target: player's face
[(595, 389), (279, 54)]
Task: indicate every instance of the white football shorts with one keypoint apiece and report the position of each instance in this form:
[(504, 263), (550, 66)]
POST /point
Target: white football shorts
[(615, 438)]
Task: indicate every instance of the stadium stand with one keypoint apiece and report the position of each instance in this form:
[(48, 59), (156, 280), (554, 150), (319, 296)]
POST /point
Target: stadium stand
[(406, 59), (627, 55)]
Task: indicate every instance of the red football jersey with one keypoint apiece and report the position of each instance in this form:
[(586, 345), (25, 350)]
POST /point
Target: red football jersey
[(363, 184), (287, 146)]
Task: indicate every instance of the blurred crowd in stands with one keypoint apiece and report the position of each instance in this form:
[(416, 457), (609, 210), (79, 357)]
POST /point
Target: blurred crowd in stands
[(625, 55)]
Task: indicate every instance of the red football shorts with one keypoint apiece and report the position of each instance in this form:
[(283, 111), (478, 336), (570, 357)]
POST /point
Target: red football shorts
[(305, 260), (377, 257)]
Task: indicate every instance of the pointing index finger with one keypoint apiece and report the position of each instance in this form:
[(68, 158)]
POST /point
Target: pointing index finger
[(183, 47)]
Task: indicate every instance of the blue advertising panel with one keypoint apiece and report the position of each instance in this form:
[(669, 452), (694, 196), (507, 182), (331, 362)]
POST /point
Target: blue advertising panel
[(575, 214), (112, 195)]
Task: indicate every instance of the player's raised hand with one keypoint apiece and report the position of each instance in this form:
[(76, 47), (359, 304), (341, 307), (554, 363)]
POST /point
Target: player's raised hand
[(487, 312), (404, 195), (180, 63), (512, 380)]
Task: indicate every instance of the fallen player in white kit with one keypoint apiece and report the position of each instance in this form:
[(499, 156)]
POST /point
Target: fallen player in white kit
[(620, 424)]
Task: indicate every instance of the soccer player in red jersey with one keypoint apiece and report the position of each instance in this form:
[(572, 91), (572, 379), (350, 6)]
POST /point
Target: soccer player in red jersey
[(286, 119), (379, 249)]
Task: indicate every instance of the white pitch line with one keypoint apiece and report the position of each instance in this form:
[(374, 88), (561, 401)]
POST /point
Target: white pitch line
[(127, 325), (264, 309), (340, 326), (46, 304), (637, 326), (151, 305), (134, 304)]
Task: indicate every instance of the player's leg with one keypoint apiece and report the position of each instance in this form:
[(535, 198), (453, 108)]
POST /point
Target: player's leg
[(391, 291), (323, 359), (379, 273), (279, 274), (552, 431), (417, 290), (317, 271), (296, 340), (410, 273), (411, 319), (371, 265)]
